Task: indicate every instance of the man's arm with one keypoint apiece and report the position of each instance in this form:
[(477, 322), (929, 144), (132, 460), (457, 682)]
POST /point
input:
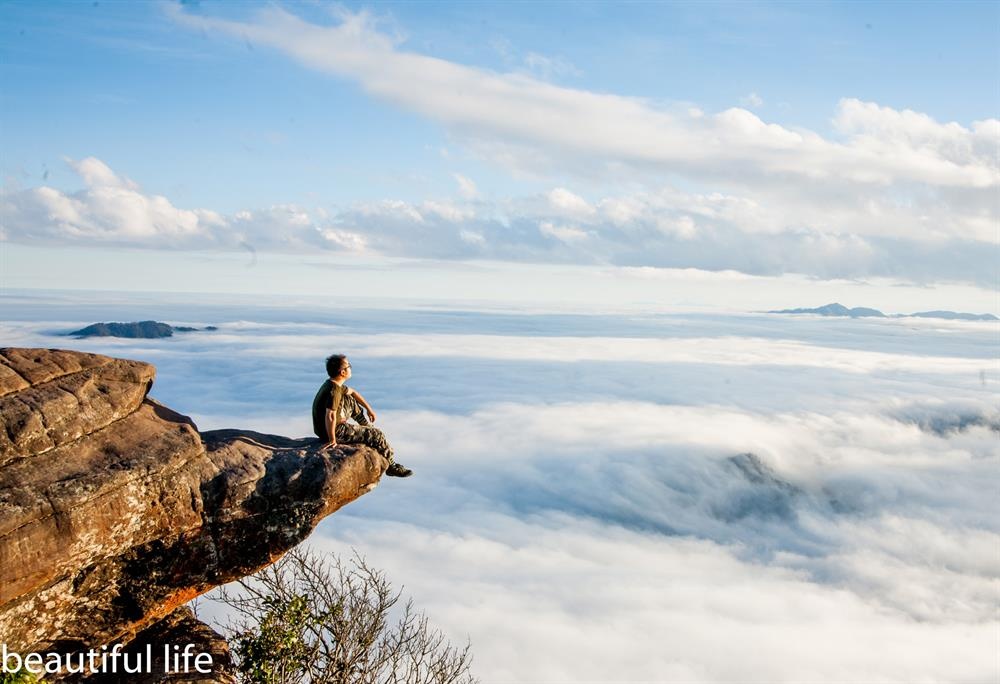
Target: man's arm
[(364, 404), (331, 429)]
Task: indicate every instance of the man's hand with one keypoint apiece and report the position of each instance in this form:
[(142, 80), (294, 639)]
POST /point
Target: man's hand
[(328, 446), (364, 404)]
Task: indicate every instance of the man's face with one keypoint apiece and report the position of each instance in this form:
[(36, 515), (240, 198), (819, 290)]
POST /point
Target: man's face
[(346, 369)]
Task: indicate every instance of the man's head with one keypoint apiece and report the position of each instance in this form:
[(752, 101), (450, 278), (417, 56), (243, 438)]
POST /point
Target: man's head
[(337, 365)]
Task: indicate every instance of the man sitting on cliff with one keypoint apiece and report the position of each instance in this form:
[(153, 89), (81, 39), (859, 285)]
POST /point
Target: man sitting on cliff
[(336, 404)]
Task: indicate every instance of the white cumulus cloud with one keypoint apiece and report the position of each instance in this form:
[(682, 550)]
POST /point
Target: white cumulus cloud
[(886, 191), (518, 114), (665, 227)]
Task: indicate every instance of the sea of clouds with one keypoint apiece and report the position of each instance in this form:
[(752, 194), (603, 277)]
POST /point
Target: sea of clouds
[(641, 497)]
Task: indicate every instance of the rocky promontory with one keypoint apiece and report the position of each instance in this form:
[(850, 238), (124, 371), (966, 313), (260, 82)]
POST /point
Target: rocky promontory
[(115, 510)]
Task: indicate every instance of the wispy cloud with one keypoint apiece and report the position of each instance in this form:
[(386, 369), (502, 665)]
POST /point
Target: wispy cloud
[(466, 187), (571, 125)]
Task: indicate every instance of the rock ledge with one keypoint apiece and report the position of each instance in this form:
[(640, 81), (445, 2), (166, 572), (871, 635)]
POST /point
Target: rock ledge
[(115, 510)]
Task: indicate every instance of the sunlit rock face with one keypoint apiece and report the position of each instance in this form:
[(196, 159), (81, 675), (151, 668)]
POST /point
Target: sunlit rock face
[(115, 510)]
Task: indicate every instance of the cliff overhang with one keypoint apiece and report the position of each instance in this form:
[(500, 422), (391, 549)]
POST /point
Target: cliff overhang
[(115, 510)]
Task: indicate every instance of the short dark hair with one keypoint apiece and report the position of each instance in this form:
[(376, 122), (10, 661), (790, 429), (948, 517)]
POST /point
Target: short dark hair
[(335, 364)]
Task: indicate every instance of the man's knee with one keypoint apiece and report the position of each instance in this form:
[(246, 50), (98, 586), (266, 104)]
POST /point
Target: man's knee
[(378, 437), (346, 433)]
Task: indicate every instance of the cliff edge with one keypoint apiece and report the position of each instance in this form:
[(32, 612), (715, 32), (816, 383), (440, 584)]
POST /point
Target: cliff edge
[(115, 510)]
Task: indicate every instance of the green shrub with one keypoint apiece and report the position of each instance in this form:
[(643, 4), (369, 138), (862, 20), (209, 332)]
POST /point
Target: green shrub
[(311, 621), (22, 676)]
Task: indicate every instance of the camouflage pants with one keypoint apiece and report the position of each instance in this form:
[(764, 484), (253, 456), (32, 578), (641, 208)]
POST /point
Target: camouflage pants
[(348, 433)]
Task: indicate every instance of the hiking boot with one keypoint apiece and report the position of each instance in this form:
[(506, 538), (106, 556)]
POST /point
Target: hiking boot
[(397, 470)]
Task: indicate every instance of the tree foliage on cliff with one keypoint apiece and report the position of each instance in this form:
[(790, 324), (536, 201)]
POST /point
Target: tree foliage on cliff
[(19, 677), (305, 619)]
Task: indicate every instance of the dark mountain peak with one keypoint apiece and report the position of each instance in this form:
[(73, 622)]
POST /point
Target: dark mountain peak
[(836, 309), (137, 329)]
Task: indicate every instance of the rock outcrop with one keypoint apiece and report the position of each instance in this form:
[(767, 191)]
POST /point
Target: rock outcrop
[(115, 510), (180, 627)]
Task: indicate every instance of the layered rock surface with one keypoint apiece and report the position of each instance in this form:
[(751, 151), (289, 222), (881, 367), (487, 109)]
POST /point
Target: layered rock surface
[(115, 510)]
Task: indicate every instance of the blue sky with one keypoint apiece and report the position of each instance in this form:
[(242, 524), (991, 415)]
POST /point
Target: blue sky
[(831, 140)]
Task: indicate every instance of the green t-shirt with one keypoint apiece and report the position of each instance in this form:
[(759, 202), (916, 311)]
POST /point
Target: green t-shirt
[(330, 396)]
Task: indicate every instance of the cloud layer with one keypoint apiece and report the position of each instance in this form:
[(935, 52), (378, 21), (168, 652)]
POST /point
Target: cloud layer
[(882, 146), (887, 171), (666, 228), (622, 181), (585, 507)]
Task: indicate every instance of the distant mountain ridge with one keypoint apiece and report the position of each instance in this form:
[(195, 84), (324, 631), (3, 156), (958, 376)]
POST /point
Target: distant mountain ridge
[(953, 315), (139, 329), (836, 309)]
